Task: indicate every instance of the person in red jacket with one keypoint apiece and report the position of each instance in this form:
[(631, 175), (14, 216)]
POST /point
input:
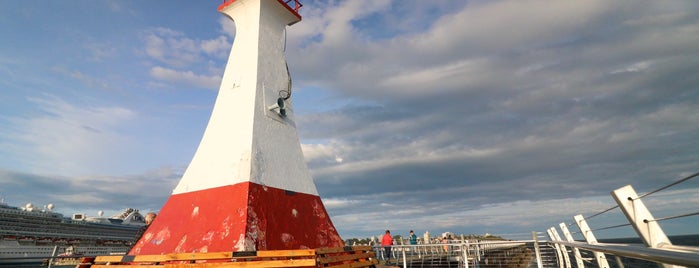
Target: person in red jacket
[(386, 243)]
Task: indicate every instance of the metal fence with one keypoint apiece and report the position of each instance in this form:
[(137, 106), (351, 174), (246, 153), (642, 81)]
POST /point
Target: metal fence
[(656, 249), (549, 249)]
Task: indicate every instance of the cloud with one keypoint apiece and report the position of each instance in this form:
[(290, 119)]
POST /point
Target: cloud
[(68, 139), (187, 77), (87, 80), (216, 47), (177, 50), (89, 194), (463, 116), (507, 100)]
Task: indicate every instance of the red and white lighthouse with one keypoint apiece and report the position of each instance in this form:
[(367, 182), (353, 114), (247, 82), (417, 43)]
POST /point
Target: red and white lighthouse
[(248, 187)]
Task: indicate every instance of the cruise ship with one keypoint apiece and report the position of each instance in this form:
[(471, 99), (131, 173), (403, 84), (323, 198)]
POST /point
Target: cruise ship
[(29, 234)]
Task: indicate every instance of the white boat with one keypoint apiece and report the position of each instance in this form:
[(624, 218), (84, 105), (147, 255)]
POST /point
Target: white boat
[(30, 235)]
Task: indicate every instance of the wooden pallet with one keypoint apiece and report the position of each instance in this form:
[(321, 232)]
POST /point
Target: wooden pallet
[(344, 257)]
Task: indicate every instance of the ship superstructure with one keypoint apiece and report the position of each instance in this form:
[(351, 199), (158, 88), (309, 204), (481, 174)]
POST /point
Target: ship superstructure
[(28, 234)]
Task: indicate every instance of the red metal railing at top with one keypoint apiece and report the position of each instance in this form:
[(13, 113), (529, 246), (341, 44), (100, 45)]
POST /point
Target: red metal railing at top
[(295, 8), (297, 5)]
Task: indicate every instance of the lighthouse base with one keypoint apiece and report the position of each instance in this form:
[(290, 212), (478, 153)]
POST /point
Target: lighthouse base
[(240, 217)]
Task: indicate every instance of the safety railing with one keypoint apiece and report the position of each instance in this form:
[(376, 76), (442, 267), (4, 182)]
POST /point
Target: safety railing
[(656, 247), (466, 253), (294, 5)]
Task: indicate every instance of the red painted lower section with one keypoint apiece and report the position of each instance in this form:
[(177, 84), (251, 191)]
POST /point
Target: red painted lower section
[(240, 217)]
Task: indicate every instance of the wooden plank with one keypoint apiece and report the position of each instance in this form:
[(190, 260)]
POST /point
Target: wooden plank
[(123, 266), (321, 251), (346, 257), (363, 248), (358, 256), (208, 256), (251, 264), (342, 249), (182, 257), (111, 258), (357, 264), (286, 253)]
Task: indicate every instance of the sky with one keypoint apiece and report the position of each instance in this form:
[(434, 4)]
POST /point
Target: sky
[(501, 117)]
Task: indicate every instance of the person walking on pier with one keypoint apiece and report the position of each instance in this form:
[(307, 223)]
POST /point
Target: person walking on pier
[(386, 243), (413, 238)]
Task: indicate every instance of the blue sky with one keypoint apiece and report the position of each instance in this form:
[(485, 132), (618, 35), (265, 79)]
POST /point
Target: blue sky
[(473, 117)]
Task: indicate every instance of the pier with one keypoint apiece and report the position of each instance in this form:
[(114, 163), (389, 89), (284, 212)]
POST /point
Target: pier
[(548, 248)]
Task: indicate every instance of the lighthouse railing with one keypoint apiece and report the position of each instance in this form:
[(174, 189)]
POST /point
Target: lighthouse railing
[(656, 247)]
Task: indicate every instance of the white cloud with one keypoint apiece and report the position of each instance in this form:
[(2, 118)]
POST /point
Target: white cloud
[(188, 77), (218, 47), (87, 80), (634, 68), (178, 50), (68, 139)]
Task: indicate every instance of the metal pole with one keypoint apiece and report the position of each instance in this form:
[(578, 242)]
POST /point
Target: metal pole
[(619, 263), (564, 251), (403, 248), (591, 239), (53, 254), (641, 219), (576, 251), (557, 246), (464, 252), (536, 250)]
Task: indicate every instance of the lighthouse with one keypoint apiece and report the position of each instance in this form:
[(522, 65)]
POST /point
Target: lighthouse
[(247, 187)]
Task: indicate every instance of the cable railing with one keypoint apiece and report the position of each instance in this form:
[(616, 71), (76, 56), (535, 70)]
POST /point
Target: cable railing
[(455, 253), (656, 247)]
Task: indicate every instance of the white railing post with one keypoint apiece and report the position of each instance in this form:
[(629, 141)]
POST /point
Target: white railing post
[(641, 219), (403, 248), (478, 250), (557, 246), (536, 249), (591, 239), (464, 251), (564, 251), (569, 238)]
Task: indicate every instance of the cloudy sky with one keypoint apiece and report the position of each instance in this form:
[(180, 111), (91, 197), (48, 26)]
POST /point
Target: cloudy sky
[(503, 117)]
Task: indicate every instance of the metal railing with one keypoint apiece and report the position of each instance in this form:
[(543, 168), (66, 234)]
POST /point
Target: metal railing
[(554, 250), (466, 253), (656, 248)]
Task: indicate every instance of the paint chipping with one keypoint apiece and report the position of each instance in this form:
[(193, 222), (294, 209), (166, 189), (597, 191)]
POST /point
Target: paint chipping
[(208, 236), (226, 228), (159, 238), (287, 238), (195, 212), (148, 236), (204, 249), (244, 244), (294, 213), (179, 249)]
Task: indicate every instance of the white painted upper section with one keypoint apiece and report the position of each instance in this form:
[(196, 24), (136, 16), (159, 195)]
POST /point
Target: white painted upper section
[(244, 140)]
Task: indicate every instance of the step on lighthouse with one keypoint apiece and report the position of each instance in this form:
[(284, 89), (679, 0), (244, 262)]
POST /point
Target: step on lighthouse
[(247, 187)]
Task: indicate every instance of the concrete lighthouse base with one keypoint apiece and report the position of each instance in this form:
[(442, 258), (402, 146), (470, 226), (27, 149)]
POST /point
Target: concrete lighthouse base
[(241, 217)]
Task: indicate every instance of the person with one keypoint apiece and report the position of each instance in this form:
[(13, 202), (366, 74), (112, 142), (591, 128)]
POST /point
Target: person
[(148, 220), (150, 217), (386, 243), (445, 241), (413, 238)]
